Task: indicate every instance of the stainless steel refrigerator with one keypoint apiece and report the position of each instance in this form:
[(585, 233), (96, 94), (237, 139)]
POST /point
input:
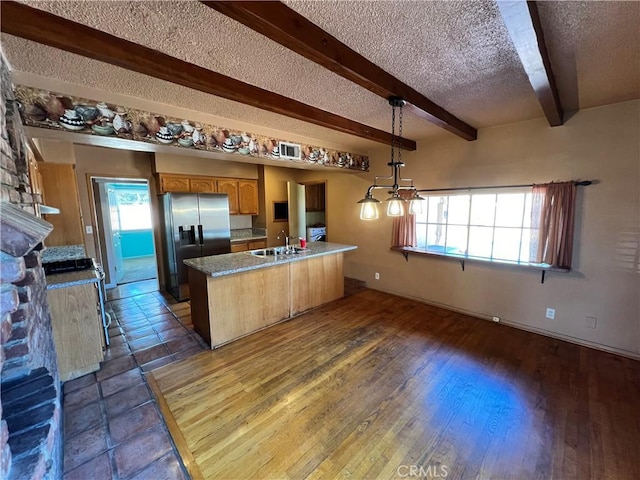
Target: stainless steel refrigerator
[(195, 225)]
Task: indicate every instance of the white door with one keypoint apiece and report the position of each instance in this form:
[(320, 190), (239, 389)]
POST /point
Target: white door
[(116, 240), (297, 210)]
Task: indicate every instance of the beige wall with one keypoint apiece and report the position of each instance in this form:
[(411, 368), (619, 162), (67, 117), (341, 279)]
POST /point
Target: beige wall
[(189, 165), (275, 190), (600, 144), (107, 162), (55, 151)]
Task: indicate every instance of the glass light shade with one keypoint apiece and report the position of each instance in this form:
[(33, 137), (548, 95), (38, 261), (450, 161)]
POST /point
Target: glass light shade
[(395, 207), (415, 204), (368, 211), (368, 208)]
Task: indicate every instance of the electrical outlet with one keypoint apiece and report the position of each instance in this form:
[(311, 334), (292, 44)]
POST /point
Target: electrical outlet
[(551, 313), (88, 229), (496, 319), (591, 322), (377, 276)]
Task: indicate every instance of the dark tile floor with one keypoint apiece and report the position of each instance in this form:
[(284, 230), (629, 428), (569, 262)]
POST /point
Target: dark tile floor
[(113, 428)]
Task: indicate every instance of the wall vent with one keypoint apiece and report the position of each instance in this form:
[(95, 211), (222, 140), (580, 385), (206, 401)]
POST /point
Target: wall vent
[(289, 150)]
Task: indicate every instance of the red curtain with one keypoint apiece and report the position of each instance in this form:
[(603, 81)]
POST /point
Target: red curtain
[(403, 232), (553, 213)]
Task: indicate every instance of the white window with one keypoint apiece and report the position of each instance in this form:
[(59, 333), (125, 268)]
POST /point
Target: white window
[(489, 225), (130, 209)]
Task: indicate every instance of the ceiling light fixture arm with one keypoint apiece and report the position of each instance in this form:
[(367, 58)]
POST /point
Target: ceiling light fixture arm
[(395, 207)]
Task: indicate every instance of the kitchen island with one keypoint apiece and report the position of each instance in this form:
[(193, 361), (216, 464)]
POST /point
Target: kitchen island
[(235, 294)]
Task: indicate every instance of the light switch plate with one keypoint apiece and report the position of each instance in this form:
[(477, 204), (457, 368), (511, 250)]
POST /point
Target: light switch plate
[(88, 229)]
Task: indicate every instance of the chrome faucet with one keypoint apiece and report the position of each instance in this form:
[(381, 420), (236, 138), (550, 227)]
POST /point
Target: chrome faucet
[(286, 240)]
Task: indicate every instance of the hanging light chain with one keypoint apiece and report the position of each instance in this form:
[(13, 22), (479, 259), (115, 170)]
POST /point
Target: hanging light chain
[(400, 136), (393, 131)]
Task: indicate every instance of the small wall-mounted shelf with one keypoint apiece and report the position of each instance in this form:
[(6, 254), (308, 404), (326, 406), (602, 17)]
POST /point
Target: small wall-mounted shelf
[(462, 259)]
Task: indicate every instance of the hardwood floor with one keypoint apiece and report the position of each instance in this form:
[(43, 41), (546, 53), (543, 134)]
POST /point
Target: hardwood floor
[(377, 386)]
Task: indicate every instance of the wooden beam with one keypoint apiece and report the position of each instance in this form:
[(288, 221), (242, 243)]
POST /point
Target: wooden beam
[(523, 23), (285, 26), (48, 29)]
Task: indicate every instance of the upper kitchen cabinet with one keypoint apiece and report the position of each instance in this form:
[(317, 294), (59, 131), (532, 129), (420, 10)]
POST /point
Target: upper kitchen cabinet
[(243, 193), (230, 187), (202, 185), (248, 197), (173, 183), (184, 184), (60, 190), (314, 197)]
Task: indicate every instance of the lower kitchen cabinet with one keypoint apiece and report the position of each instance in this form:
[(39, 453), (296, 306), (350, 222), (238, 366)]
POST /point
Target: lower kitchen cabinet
[(227, 307), (316, 281), (77, 329), (249, 245)]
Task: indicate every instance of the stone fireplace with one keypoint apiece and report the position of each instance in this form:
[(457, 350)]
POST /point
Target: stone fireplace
[(30, 429)]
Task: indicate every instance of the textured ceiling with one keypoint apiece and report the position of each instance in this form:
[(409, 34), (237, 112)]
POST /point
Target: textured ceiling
[(456, 53)]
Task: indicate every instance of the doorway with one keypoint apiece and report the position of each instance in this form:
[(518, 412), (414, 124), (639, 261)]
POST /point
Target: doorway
[(125, 233), (315, 217)]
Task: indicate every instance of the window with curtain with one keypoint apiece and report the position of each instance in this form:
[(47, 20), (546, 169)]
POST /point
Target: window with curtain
[(519, 226)]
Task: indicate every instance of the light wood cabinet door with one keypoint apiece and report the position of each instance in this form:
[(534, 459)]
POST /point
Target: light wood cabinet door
[(239, 247), (202, 185), (170, 183), (314, 197), (235, 311), (245, 246), (316, 281), (242, 193), (77, 329), (248, 197), (255, 244), (35, 177), (230, 187), (60, 190)]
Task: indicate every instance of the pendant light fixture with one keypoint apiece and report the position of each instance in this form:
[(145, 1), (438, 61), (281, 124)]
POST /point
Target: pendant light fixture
[(395, 203)]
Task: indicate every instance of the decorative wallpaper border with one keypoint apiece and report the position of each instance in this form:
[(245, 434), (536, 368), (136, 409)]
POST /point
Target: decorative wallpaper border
[(56, 111)]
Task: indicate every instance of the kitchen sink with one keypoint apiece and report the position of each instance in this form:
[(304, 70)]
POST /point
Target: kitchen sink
[(264, 252)]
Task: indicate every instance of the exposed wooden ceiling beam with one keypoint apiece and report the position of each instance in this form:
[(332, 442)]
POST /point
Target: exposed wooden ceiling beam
[(523, 23), (285, 26), (48, 29)]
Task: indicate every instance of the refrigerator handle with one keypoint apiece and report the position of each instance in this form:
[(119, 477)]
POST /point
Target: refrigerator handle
[(192, 235), (200, 235)]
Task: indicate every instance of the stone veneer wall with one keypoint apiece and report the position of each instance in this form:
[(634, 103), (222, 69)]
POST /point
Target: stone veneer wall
[(31, 393)]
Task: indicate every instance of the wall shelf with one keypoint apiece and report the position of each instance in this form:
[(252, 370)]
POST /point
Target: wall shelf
[(463, 259)]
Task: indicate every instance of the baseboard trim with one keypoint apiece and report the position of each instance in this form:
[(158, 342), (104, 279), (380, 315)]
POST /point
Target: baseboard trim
[(520, 326)]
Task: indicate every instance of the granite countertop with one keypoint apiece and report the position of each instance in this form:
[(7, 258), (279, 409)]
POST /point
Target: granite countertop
[(247, 234), (230, 263), (66, 252), (71, 279)]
